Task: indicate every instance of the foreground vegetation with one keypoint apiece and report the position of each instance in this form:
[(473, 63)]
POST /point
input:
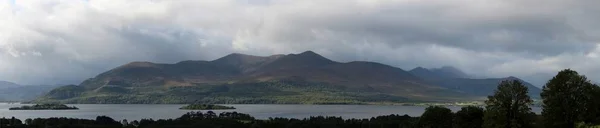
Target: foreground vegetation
[(45, 107), (205, 107), (213, 120), (434, 117)]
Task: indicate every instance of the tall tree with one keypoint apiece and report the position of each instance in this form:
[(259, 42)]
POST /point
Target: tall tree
[(569, 98), (592, 116), (509, 107), (436, 117), (469, 117)]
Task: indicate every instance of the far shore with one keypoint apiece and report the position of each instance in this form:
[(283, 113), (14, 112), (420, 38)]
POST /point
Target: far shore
[(473, 103)]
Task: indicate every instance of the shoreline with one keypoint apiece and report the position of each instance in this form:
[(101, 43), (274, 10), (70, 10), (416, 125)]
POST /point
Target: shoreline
[(383, 104)]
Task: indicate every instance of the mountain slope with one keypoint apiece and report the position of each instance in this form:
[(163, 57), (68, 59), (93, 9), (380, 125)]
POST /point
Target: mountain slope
[(10, 91), (237, 78), (438, 73), (6, 84), (454, 79), (449, 71), (24, 93)]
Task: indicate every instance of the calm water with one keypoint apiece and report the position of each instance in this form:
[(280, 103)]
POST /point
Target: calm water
[(138, 111)]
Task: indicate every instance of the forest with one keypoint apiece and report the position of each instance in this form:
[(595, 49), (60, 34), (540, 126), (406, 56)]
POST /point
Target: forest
[(569, 101)]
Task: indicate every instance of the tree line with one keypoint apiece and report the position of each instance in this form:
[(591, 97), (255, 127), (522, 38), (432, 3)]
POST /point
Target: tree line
[(569, 101)]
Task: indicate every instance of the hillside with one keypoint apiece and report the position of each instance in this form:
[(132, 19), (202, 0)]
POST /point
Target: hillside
[(24, 93), (10, 91), (306, 78), (455, 79), (6, 84)]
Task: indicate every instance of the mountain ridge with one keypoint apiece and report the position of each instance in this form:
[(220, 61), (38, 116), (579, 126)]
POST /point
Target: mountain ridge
[(459, 81), (278, 78), (7, 84)]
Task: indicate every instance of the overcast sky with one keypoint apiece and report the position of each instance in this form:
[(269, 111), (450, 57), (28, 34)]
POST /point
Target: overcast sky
[(67, 41)]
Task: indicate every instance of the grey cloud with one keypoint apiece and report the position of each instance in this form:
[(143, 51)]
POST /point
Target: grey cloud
[(485, 38), (399, 25)]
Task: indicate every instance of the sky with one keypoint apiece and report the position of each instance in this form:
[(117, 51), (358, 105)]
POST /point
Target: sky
[(68, 41)]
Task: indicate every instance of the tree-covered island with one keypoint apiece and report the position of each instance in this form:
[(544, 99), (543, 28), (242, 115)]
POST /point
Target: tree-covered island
[(205, 107), (45, 107)]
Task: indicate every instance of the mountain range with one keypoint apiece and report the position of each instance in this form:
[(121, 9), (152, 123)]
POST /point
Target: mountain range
[(10, 91), (305, 78), (454, 79), (6, 84)]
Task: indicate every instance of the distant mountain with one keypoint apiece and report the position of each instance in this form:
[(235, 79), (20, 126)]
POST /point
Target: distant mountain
[(539, 79), (237, 78), (438, 73), (305, 78), (6, 84), (10, 91), (450, 71), (24, 93), (454, 79)]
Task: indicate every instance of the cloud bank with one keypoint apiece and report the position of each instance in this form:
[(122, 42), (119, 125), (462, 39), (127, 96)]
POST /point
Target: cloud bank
[(67, 41)]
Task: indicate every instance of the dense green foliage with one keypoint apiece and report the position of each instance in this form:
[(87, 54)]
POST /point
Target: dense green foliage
[(469, 117), (569, 101), (274, 92), (205, 107), (584, 125), (45, 107), (509, 107), (213, 120), (569, 98), (436, 117)]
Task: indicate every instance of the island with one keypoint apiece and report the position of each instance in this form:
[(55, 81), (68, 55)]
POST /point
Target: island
[(205, 107), (45, 107)]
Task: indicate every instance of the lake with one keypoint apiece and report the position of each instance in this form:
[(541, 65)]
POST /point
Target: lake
[(140, 111)]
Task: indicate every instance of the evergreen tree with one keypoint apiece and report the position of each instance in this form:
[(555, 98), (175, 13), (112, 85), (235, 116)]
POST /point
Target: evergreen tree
[(569, 99), (509, 107), (469, 117)]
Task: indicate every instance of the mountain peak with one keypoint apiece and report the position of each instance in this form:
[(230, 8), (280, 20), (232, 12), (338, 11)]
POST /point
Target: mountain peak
[(243, 62), (419, 69), (512, 78), (450, 71), (8, 83), (310, 56), (236, 56), (309, 53), (438, 73), (140, 64)]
